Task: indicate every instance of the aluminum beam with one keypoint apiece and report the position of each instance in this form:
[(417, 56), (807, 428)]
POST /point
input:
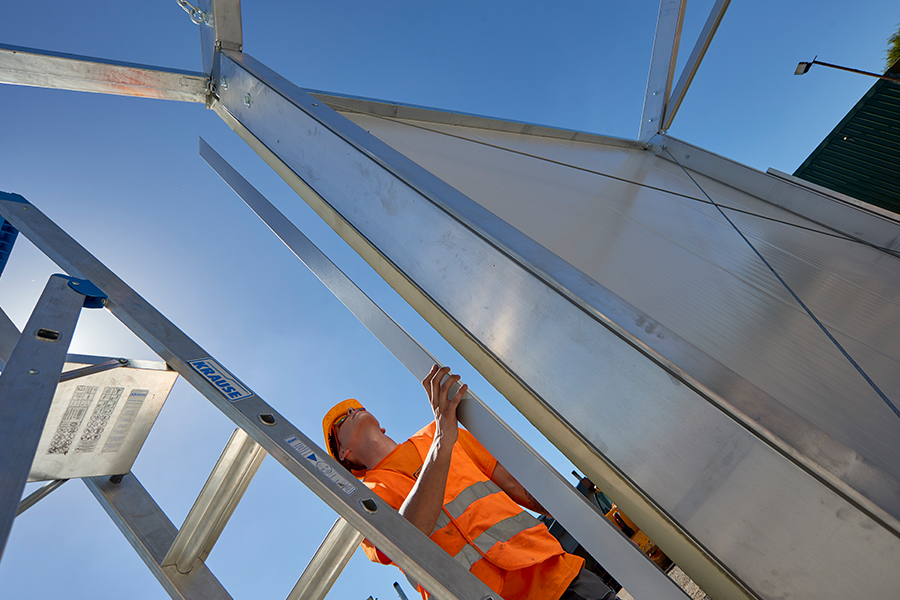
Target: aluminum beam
[(369, 106), (662, 66), (151, 533), (693, 63), (394, 535), (217, 500), (41, 68), (222, 29), (619, 555), (328, 562)]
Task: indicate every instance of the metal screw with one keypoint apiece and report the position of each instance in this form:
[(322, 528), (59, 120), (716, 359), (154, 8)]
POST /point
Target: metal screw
[(655, 93), (24, 208), (649, 120), (123, 361), (75, 283), (224, 82), (33, 371), (248, 101)]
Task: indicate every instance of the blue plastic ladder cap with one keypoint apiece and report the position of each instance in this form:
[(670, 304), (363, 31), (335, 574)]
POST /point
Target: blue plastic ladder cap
[(13, 198), (93, 296), (8, 235)]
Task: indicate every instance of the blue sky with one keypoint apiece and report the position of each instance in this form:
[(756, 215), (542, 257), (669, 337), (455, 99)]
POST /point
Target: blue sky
[(122, 175)]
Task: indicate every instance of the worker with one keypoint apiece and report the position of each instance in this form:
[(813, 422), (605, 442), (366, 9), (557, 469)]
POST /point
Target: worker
[(443, 481)]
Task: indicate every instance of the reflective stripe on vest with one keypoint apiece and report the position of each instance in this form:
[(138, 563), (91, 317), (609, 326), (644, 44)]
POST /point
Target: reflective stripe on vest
[(500, 532)]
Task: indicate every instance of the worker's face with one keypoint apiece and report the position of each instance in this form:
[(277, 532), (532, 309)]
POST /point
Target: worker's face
[(351, 429)]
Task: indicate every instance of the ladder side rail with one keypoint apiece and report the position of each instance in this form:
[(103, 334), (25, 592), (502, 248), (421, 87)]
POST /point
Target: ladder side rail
[(216, 502), (377, 521), (327, 563), (27, 386), (9, 335), (151, 533), (619, 555)]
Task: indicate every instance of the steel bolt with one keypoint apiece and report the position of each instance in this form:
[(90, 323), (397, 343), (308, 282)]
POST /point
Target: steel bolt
[(248, 101), (33, 371), (224, 82)]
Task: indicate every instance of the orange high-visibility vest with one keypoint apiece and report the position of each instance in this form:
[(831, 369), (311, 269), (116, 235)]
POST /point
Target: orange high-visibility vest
[(480, 526)]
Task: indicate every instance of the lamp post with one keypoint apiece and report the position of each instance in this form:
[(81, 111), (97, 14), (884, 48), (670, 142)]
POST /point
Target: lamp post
[(804, 67)]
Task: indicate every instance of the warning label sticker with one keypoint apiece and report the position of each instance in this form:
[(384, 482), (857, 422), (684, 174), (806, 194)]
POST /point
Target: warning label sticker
[(322, 465)]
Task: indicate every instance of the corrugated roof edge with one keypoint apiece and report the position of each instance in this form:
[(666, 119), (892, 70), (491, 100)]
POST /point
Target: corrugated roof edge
[(382, 108)]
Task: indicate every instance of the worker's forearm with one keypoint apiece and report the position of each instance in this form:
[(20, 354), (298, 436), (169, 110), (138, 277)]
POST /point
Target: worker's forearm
[(426, 499), (516, 490)]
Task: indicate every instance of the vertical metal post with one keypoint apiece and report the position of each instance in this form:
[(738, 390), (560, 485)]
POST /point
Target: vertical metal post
[(27, 386), (222, 30), (326, 565), (217, 500), (662, 66)]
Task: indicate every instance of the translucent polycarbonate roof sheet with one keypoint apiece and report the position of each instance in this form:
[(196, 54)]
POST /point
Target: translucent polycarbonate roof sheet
[(678, 260)]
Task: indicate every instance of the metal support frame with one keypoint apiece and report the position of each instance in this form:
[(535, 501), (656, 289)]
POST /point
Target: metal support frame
[(326, 148), (662, 66), (326, 565), (27, 386), (394, 535), (41, 68), (619, 555), (222, 31), (151, 534), (217, 500), (690, 68)]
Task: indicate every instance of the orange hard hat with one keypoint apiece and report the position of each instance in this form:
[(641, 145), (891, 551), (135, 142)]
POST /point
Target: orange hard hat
[(331, 444)]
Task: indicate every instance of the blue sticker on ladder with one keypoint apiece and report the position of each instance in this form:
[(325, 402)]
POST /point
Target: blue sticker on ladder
[(322, 465), (227, 384)]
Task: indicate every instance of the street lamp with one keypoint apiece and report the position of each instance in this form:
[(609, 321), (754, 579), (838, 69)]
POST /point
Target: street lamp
[(803, 68)]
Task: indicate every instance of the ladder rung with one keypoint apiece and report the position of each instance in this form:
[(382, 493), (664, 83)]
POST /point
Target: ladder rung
[(217, 500)]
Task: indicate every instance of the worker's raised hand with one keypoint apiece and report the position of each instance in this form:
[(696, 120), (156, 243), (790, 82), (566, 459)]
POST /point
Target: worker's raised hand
[(437, 385)]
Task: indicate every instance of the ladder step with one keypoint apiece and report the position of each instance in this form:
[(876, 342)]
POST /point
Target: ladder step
[(217, 500)]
